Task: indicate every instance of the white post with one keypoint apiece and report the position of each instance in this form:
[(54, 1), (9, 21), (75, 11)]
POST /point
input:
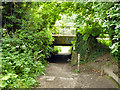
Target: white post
[(78, 62)]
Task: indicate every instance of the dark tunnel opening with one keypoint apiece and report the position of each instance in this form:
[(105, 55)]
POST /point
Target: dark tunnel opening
[(64, 56)]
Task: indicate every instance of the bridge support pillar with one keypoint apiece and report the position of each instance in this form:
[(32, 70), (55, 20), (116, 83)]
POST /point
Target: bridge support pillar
[(74, 58)]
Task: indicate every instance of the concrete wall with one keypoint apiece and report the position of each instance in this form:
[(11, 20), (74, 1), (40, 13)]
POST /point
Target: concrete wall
[(74, 58), (63, 40)]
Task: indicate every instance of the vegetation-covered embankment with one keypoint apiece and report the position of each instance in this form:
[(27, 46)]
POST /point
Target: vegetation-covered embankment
[(27, 35), (26, 39), (97, 20)]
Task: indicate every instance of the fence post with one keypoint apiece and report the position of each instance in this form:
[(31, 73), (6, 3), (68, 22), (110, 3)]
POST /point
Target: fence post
[(78, 66)]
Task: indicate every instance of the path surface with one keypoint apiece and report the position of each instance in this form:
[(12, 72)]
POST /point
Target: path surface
[(61, 75)]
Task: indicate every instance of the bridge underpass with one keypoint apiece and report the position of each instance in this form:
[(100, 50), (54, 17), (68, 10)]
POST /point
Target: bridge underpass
[(60, 74), (63, 41)]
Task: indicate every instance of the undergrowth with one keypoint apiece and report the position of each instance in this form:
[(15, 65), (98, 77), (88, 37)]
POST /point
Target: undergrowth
[(90, 49)]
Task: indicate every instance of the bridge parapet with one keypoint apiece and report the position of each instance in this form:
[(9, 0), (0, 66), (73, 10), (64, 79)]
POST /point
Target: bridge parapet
[(63, 40)]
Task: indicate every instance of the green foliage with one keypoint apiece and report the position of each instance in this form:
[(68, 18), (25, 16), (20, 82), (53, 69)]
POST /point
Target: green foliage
[(107, 64), (76, 71), (116, 51), (96, 19), (57, 49), (109, 17), (70, 50), (89, 49), (28, 35), (93, 29), (105, 42), (26, 40), (25, 43)]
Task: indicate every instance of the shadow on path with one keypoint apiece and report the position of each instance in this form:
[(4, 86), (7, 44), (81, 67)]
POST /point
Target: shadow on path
[(60, 74), (60, 58)]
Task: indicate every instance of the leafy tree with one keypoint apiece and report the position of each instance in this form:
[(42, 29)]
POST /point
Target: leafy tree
[(108, 14), (26, 42), (96, 19)]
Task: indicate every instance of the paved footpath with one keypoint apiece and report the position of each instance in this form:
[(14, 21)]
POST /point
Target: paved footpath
[(61, 75)]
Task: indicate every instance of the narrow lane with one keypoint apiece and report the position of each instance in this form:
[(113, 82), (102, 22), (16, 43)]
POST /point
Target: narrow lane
[(60, 74)]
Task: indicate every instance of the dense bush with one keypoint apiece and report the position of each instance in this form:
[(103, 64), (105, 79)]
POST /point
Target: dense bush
[(97, 19), (25, 44), (108, 14), (57, 49), (89, 49), (26, 39)]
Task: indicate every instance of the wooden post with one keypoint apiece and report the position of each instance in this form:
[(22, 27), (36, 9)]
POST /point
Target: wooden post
[(78, 62)]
